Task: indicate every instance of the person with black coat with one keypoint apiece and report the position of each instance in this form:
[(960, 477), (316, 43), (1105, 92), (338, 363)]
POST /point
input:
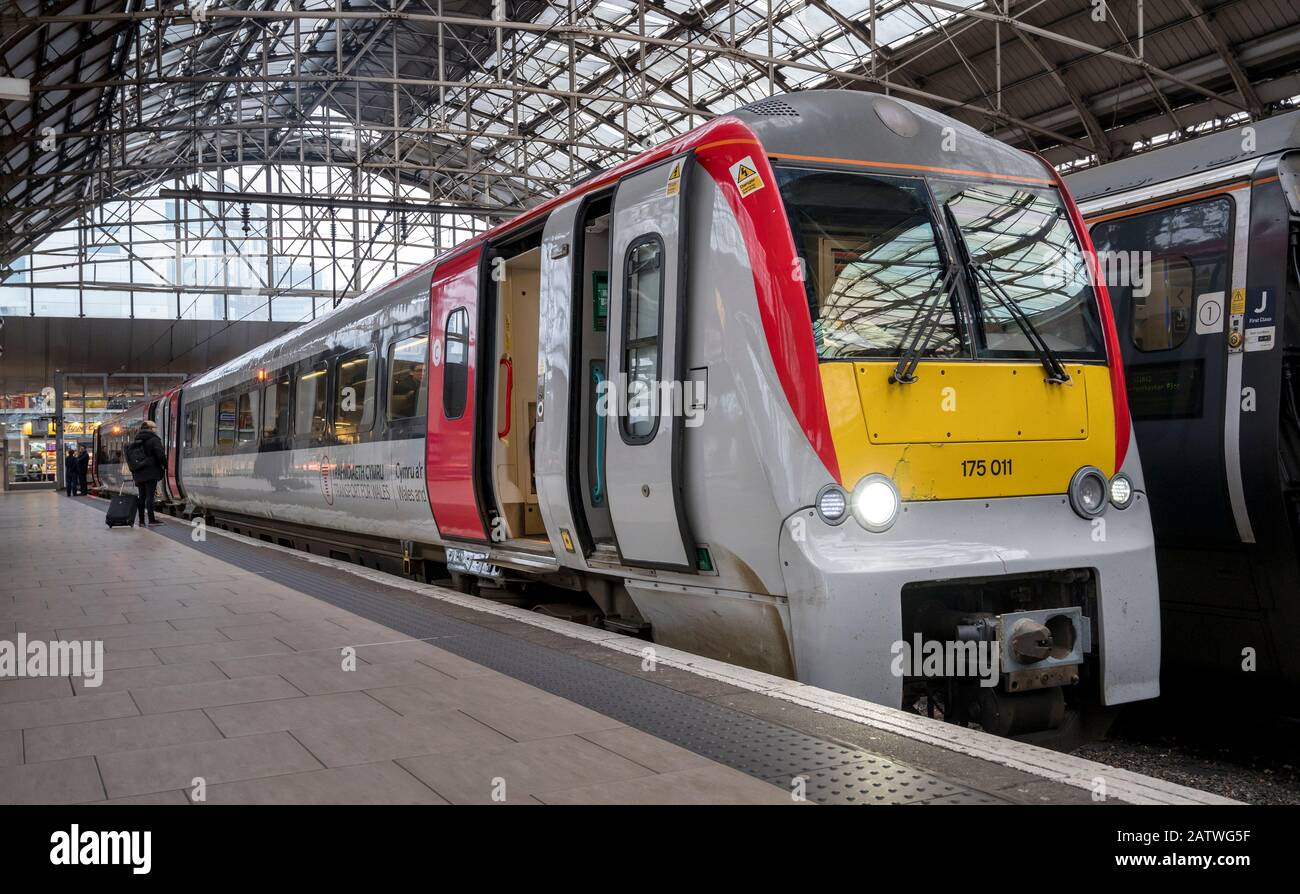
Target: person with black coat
[(83, 469), (70, 471), (147, 458)]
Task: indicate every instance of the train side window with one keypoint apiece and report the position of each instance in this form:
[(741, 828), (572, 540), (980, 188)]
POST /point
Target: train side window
[(354, 395), (1190, 249), (275, 409), (226, 423), (191, 429), (407, 388), (643, 287), (246, 431), (309, 413), (455, 376), (208, 424)]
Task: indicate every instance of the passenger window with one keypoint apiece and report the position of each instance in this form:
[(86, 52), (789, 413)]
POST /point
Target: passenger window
[(309, 415), (354, 395), (455, 377), (643, 279), (247, 432), (275, 409), (191, 428), (1191, 248), (407, 390), (226, 423), (208, 425)]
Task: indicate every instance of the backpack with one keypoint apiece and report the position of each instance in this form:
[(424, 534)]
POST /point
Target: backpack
[(137, 456)]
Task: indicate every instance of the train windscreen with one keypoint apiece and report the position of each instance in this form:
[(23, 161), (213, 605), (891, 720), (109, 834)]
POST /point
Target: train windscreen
[(874, 264)]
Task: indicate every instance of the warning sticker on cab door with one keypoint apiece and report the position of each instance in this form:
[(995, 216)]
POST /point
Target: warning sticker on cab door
[(746, 175), (674, 185)]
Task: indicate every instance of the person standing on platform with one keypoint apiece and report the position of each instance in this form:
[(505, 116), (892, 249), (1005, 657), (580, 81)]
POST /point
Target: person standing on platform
[(83, 469), (70, 472), (146, 458)]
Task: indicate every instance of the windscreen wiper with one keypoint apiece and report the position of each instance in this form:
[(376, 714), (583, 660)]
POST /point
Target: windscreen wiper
[(1056, 372), (905, 372)]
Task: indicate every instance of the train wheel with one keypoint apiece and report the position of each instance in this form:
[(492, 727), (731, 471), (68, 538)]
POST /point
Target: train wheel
[(1080, 726)]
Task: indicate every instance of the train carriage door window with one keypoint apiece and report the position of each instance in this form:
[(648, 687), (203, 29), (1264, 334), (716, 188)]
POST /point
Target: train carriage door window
[(246, 432), (354, 395), (275, 410), (644, 455), (226, 423), (191, 429), (310, 402), (455, 377), (208, 425), (407, 387), (643, 273)]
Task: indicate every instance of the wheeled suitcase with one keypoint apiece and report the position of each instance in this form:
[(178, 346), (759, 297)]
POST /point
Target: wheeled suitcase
[(121, 511)]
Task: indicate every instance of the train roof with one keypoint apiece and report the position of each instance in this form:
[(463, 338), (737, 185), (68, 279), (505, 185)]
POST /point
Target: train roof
[(856, 126), (1272, 135), (814, 125)]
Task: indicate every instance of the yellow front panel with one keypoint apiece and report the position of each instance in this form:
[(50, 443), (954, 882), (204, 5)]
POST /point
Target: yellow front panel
[(969, 430)]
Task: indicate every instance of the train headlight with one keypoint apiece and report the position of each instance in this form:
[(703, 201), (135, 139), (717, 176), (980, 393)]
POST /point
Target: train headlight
[(875, 503), (1089, 491), (832, 504), (1121, 491)]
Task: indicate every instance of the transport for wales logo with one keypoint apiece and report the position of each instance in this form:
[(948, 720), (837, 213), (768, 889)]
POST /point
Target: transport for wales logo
[(326, 487)]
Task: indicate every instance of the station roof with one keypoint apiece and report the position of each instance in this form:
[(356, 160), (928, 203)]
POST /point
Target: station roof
[(497, 105)]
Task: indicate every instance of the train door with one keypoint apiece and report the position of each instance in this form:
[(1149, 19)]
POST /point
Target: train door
[(507, 433), (171, 440), (643, 434), (450, 444), (1174, 311), (573, 349)]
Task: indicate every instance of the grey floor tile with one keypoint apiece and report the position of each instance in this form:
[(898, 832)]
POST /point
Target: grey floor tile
[(339, 744), (81, 708), (29, 689), (520, 770), (540, 719), (152, 675), (374, 676), (221, 650), (120, 734), (647, 750), (160, 699), (57, 782), (379, 783), (221, 760), (292, 713)]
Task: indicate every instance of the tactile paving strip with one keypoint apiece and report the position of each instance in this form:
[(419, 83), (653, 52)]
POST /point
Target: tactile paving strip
[(831, 773)]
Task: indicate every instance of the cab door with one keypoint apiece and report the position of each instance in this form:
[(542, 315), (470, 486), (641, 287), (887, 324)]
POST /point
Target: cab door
[(450, 441), (643, 439), (1175, 331)]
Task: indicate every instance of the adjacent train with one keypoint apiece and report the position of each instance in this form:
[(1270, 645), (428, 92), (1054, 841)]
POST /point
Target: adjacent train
[(1202, 244), (812, 388)]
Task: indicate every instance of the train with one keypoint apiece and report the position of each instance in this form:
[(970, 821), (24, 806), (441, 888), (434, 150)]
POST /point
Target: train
[(826, 387), (1207, 234)]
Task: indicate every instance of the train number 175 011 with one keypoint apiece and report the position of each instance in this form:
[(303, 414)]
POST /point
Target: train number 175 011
[(980, 468)]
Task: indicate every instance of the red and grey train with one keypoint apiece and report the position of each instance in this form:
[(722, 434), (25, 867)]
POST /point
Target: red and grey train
[(810, 388)]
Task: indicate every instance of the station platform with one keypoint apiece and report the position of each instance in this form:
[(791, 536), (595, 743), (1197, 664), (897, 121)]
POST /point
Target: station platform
[(224, 681)]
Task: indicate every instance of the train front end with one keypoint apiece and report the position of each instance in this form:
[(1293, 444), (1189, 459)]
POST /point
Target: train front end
[(983, 549)]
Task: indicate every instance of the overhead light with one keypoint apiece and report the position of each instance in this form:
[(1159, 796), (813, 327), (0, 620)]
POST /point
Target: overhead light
[(16, 89)]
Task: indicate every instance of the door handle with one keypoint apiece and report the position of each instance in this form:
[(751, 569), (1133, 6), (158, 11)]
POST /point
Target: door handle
[(598, 489), (510, 391)]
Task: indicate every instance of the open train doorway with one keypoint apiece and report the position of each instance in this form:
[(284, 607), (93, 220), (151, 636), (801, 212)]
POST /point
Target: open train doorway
[(514, 299)]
